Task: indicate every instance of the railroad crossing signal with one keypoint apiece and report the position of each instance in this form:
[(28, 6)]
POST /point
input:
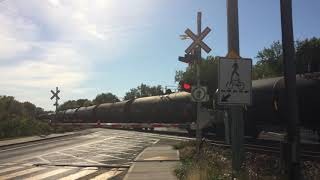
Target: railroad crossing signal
[(188, 58), (55, 95), (197, 40), (199, 94), (193, 54)]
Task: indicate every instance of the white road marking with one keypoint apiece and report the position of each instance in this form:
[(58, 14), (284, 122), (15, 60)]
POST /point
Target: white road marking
[(80, 150), (67, 148), (80, 174), (122, 148), (7, 164), (121, 144), (10, 169), (21, 173), (43, 159), (155, 142), (33, 144), (47, 174), (106, 155), (95, 142), (86, 160), (107, 175), (120, 152), (172, 137)]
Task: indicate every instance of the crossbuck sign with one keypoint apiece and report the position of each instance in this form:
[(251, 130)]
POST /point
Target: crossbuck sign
[(55, 94), (197, 40)]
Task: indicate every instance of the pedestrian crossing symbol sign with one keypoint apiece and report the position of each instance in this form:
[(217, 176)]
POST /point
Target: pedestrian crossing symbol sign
[(234, 84)]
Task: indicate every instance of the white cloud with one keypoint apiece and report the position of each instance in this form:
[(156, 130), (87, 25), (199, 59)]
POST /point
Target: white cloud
[(15, 35), (58, 65), (55, 2), (51, 43)]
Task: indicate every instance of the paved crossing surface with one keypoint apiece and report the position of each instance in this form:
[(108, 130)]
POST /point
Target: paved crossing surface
[(103, 154), (30, 172)]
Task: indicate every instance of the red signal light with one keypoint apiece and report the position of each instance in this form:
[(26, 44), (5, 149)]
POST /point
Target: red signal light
[(186, 86)]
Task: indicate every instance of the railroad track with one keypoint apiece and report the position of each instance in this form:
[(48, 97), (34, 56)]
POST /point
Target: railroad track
[(263, 146), (308, 151), (271, 147)]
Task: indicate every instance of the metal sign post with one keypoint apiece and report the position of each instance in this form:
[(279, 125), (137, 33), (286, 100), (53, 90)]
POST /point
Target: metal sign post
[(293, 131), (55, 95), (237, 122), (199, 94), (234, 91)]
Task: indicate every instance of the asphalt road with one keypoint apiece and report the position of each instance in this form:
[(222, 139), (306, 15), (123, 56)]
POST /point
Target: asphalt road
[(101, 154)]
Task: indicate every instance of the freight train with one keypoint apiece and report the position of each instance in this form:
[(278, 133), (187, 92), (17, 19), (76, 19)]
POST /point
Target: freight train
[(268, 108)]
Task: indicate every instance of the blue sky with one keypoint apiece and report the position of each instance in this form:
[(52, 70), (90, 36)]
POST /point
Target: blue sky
[(88, 47)]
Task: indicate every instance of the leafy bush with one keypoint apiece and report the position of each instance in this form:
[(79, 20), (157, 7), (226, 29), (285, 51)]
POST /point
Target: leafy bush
[(22, 127), (209, 163)]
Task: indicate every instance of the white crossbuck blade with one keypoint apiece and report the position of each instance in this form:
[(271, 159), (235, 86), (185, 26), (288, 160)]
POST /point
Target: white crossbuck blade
[(197, 40)]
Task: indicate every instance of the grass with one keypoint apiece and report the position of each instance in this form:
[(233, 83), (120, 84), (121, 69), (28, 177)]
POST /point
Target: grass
[(208, 164), (214, 163)]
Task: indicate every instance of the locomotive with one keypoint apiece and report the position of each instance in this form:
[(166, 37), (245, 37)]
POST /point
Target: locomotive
[(268, 108)]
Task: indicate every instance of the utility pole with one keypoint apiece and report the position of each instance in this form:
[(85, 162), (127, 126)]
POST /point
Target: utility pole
[(293, 131), (237, 121)]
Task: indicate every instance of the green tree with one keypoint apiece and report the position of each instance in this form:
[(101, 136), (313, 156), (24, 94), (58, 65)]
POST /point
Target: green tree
[(29, 109), (308, 55), (105, 98), (83, 102), (71, 104), (132, 94), (155, 90), (39, 111), (143, 91), (19, 119), (270, 62), (11, 108)]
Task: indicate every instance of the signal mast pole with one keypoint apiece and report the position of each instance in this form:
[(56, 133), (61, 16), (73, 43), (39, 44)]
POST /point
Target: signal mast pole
[(197, 64), (193, 53)]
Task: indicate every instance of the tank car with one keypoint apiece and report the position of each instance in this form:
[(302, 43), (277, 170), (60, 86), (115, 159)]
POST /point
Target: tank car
[(269, 102), (268, 108), (173, 108), (112, 112)]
